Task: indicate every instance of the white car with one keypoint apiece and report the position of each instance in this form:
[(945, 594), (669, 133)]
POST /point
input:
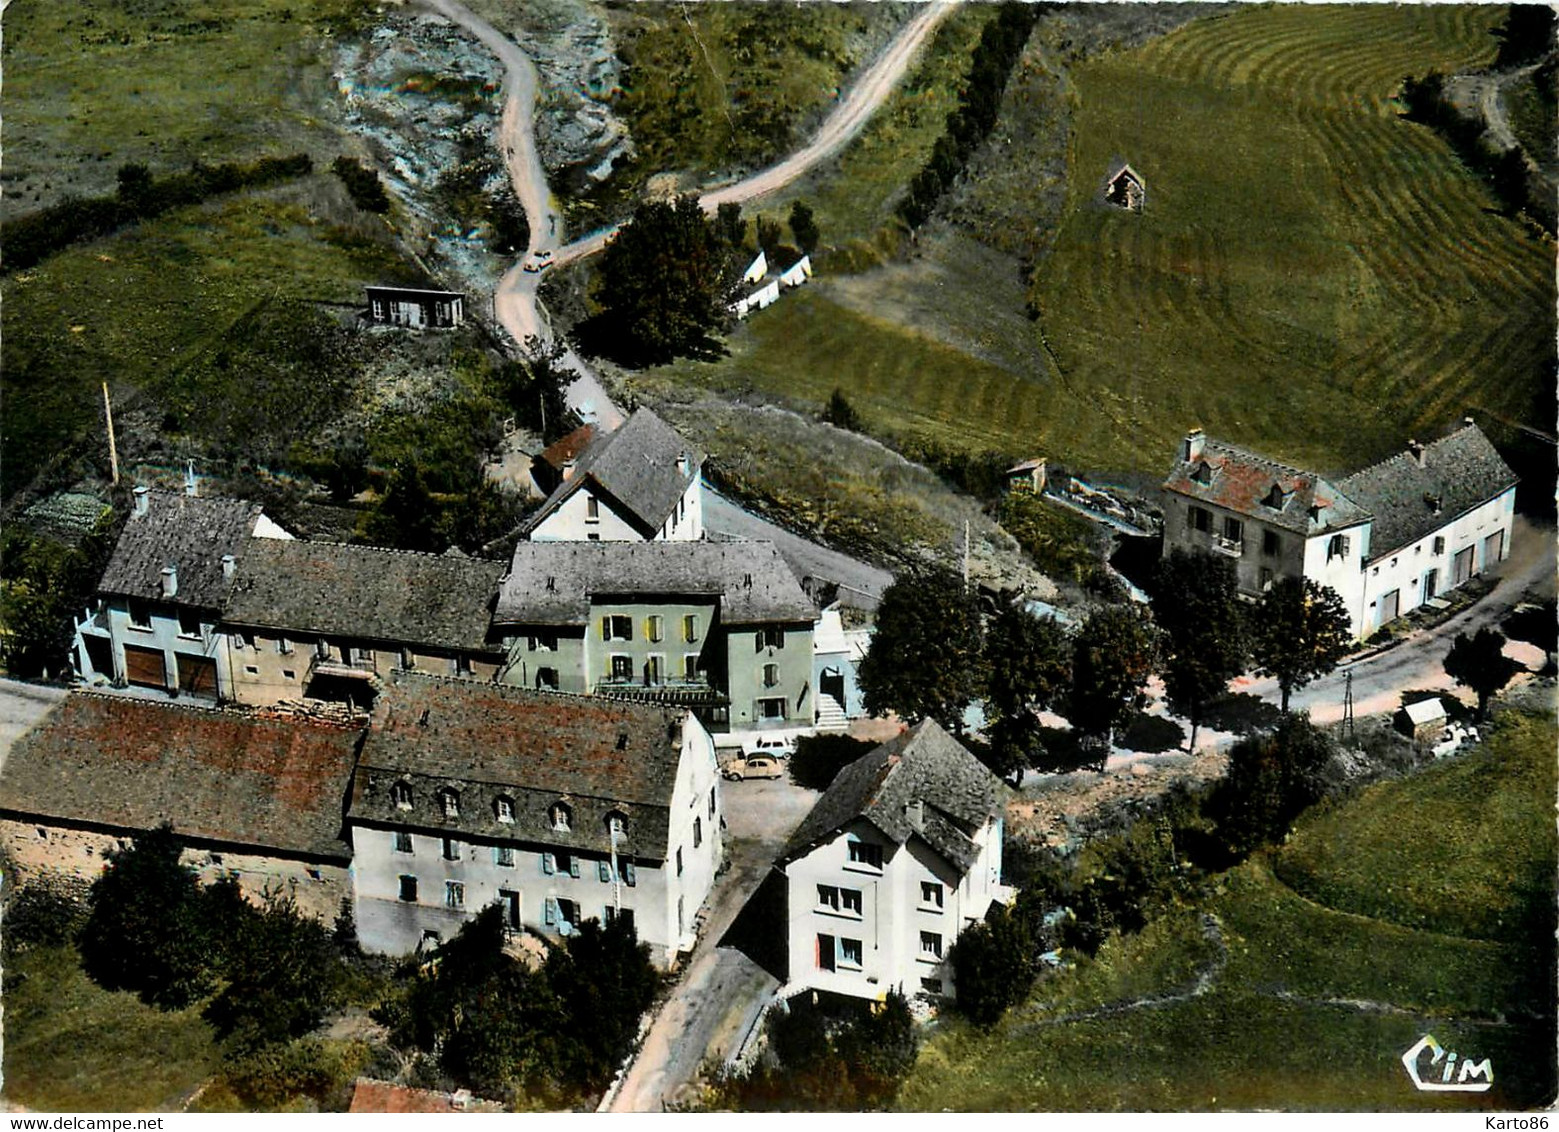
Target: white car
[(775, 746)]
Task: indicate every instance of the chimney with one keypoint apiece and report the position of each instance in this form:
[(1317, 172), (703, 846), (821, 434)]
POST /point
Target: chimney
[(170, 581), (567, 471), (189, 477), (229, 563), (682, 464), (1468, 421), (1195, 441), (915, 814), (1416, 450), (142, 500)]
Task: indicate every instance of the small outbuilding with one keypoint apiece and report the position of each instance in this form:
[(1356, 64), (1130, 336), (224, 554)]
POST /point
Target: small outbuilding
[(1126, 189), (412, 306), (1422, 722), (1027, 476)]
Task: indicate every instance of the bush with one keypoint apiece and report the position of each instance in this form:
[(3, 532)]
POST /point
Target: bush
[(272, 1076), (45, 912), (819, 758), (362, 184)]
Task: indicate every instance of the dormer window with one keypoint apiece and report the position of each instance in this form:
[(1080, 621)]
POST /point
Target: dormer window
[(1275, 498), (1202, 473), (503, 810), (449, 802), (561, 817), (616, 824), (400, 794)]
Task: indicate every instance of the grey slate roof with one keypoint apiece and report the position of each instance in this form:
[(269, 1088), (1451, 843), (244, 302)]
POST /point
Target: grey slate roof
[(365, 592), (226, 776), (536, 748), (190, 533), (1241, 482), (924, 764), (1460, 471), (551, 583), (637, 467)]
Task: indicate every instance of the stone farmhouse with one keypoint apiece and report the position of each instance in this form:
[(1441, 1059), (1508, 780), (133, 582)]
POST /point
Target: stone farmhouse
[(1388, 538), (258, 799), (898, 857), (558, 808), (723, 628), (642, 482)]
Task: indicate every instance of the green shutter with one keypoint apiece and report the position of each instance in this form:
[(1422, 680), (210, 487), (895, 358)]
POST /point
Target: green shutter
[(573, 865), (605, 869), (630, 875), (549, 913), (546, 863)]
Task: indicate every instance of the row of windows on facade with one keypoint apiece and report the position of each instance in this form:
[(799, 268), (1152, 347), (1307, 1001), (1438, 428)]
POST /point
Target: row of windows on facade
[(560, 816), (847, 901), (619, 627), (834, 952), (555, 910), (552, 862), (593, 515)]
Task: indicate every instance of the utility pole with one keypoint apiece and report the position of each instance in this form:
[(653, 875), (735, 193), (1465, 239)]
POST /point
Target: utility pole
[(113, 452), (1347, 704), (966, 554)]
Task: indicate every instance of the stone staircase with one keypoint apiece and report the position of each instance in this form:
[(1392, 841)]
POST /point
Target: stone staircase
[(830, 714)]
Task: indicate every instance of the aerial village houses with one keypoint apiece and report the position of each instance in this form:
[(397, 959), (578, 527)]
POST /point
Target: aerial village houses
[(1388, 538), (256, 799), (558, 808), (641, 482), (157, 620), (723, 628), (896, 859), (416, 307)]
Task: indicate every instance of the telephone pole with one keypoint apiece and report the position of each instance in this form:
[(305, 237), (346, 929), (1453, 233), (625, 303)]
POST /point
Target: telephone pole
[(113, 452), (1347, 705)]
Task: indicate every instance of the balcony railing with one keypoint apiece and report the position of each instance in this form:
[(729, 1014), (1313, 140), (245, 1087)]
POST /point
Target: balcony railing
[(1233, 547)]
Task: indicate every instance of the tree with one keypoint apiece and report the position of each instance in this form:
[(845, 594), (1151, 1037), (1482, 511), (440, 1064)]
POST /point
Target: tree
[(730, 226), (768, 234), (924, 660), (145, 928), (1479, 662), (841, 414), (663, 283), (803, 227), (1299, 631), (1536, 625), (1272, 779), (1196, 606), (996, 961), (603, 974), (1029, 668), (1113, 654), (820, 758)]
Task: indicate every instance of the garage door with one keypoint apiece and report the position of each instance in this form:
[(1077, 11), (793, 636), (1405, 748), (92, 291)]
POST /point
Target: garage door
[(198, 676), (145, 667)]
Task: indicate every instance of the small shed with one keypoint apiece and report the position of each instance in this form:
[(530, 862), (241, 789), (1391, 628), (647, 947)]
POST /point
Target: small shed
[(757, 269), (1027, 476), (413, 306), (764, 296), (1422, 722), (1126, 189), (794, 268)]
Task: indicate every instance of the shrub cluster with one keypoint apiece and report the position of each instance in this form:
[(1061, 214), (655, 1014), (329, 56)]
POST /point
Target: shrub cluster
[(362, 184), (140, 196), (1000, 46)]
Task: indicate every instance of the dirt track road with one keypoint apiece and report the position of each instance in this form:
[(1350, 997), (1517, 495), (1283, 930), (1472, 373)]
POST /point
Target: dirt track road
[(515, 302)]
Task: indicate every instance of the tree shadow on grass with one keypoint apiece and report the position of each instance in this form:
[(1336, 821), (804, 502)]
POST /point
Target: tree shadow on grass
[(601, 336), (1241, 714), (761, 929), (1152, 734)]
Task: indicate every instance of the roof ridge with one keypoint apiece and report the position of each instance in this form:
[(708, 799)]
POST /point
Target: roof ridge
[(1264, 459), (254, 713), (521, 691), (462, 557), (1381, 463)]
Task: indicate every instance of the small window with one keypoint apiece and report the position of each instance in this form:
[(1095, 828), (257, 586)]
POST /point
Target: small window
[(616, 824), (1202, 473), (568, 863), (1275, 498), (288, 674), (400, 794), (679, 860), (1264, 578), (771, 637), (931, 894), (622, 667), (849, 952), (402, 842), (603, 870), (1233, 529), (770, 675), (449, 803), (503, 809), (408, 661), (140, 615), (617, 627), (503, 856), (931, 944), (850, 901), (451, 849), (189, 623), (690, 628), (828, 897), (864, 853), (1199, 519), (544, 642), (1271, 545), (711, 802), (1439, 544), (630, 874), (931, 986), (548, 863), (251, 670), (1337, 547), (654, 627), (593, 536), (772, 707), (690, 666), (561, 817), (547, 678), (242, 640), (408, 891), (454, 894), (283, 646), (592, 509), (460, 666)]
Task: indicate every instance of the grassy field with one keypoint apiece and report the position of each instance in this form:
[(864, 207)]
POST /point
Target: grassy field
[(71, 1046), (91, 84), (1306, 1006), (1312, 276)]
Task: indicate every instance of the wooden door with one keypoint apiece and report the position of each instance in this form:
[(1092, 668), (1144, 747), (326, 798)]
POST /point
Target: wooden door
[(198, 676), (1461, 566), (145, 667)]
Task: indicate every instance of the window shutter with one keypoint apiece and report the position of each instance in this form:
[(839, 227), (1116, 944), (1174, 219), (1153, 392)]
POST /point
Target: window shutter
[(630, 874), (757, 641), (606, 871), (573, 865), (546, 863), (549, 913)]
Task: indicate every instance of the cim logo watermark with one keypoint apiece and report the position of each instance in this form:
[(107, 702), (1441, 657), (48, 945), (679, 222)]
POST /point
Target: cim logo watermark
[(1473, 1077)]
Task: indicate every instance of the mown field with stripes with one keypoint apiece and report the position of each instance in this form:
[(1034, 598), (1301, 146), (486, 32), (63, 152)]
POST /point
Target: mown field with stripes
[(1313, 275)]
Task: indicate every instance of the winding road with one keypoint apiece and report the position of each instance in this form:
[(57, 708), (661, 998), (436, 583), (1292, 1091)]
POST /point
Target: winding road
[(515, 303)]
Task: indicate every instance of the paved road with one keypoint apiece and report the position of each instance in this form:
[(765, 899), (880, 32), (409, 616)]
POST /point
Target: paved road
[(721, 990), (1379, 681), (861, 584), (21, 707)]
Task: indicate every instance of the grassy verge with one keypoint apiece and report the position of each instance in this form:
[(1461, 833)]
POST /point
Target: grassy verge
[(1312, 1006), (71, 1046), (1533, 106)]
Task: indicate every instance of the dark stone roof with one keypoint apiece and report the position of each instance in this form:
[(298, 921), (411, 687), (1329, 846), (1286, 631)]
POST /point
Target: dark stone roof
[(1460, 472), (188, 532), (552, 583), (277, 786), (365, 592), (923, 764), (637, 467), (1242, 482), (536, 748)]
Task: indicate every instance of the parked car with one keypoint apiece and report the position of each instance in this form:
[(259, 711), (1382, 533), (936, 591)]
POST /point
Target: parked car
[(759, 766), (775, 746)]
